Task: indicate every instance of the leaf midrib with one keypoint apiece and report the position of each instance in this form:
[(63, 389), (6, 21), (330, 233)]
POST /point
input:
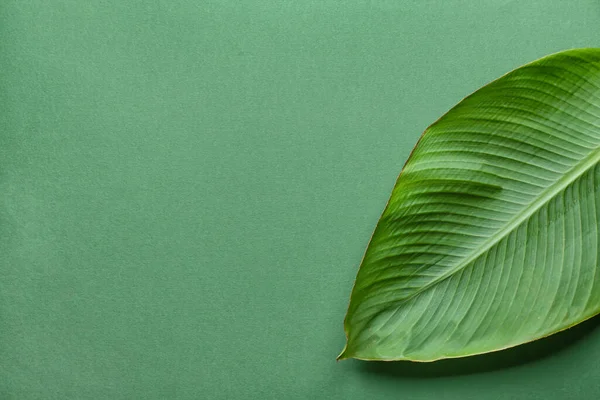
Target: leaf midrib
[(548, 194)]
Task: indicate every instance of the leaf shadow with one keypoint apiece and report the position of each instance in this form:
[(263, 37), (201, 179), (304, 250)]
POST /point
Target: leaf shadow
[(513, 357)]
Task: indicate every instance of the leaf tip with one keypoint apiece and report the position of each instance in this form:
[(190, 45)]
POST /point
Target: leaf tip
[(345, 354)]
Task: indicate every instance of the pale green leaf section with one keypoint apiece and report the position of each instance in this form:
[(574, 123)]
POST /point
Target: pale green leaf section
[(490, 237)]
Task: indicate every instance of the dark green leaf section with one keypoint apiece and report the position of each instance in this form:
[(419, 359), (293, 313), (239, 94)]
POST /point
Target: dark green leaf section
[(490, 237)]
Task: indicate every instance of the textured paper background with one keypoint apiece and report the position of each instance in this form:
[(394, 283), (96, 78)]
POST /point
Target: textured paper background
[(187, 188)]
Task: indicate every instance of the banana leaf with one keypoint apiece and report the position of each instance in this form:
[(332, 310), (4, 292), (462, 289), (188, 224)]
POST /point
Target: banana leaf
[(490, 237)]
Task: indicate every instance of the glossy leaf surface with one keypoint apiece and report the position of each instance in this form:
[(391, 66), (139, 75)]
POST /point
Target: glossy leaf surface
[(490, 237)]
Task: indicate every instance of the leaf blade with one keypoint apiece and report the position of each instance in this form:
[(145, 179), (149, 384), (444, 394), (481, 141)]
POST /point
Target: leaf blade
[(506, 157)]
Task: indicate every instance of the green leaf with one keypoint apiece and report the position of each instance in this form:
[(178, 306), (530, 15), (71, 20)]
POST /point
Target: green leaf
[(490, 237)]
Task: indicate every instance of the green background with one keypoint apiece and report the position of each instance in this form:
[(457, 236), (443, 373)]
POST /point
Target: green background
[(187, 189)]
